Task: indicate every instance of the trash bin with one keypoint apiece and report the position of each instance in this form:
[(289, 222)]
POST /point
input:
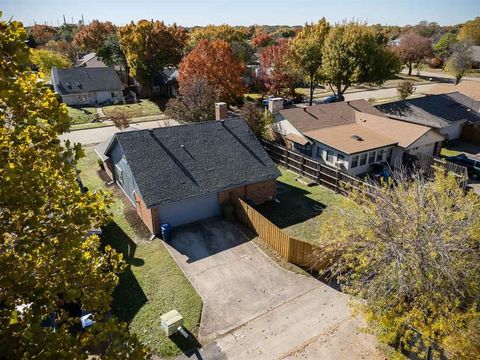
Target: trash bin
[(166, 232)]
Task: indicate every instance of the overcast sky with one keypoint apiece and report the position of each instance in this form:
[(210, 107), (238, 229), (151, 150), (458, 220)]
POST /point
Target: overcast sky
[(245, 12)]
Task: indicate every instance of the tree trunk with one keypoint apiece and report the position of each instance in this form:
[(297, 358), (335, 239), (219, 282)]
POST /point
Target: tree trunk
[(340, 93), (312, 89), (410, 69)]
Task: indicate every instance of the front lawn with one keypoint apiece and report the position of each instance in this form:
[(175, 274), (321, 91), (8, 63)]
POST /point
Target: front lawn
[(142, 108), (152, 284), (300, 210), (82, 115)]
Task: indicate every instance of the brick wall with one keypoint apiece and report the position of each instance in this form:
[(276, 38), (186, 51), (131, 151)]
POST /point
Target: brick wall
[(149, 216), (258, 192)]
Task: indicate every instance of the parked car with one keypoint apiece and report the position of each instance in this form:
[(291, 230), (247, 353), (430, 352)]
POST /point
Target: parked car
[(329, 99), (286, 101), (472, 165)]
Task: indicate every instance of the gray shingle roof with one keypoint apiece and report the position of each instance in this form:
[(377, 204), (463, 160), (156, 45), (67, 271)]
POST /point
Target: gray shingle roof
[(437, 111), (83, 79), (215, 156), (167, 76)]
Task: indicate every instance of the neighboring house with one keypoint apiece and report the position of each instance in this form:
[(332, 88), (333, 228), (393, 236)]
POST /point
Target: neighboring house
[(90, 60), (164, 84), (475, 57), (469, 88), (87, 86), (184, 173), (352, 135), (447, 113)]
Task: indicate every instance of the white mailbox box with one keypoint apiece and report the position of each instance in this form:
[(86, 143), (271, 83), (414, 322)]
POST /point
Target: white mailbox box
[(170, 322)]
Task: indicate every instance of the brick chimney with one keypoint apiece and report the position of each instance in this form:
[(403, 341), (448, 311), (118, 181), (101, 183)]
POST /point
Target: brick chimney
[(221, 111), (275, 105)]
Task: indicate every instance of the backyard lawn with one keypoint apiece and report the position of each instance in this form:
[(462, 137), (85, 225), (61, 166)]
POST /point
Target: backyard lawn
[(152, 284), (82, 115), (300, 210), (142, 108)]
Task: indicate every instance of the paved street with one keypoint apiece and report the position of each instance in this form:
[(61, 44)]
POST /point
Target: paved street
[(254, 309), (98, 135)]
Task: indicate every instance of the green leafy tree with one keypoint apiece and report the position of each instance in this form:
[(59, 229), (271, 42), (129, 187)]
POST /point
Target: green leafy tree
[(149, 46), (444, 47), (307, 54), (48, 263), (258, 120), (460, 61), (470, 31), (45, 60), (352, 55), (411, 252), (110, 51)]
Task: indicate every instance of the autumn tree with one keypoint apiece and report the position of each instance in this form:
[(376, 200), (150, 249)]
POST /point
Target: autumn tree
[(149, 46), (275, 71), (257, 119), (352, 55), (40, 34), (262, 39), (413, 49), (196, 102), (45, 60), (92, 36), (224, 32), (460, 61), (411, 251), (307, 54), (470, 31), (215, 62), (65, 48), (48, 263)]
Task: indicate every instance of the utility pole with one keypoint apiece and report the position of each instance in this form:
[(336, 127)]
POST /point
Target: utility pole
[(83, 21), (64, 21)]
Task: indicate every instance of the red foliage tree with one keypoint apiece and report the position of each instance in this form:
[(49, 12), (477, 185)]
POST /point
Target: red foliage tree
[(274, 70), (413, 49), (41, 34), (261, 40), (215, 62)]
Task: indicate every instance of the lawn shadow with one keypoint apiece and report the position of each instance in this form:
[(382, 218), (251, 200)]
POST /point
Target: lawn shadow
[(161, 102), (294, 206), (128, 296)]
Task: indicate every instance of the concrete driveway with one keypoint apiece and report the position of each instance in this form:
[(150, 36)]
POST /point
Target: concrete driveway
[(253, 309)]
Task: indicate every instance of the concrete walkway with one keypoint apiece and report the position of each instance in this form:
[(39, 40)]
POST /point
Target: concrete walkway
[(253, 309)]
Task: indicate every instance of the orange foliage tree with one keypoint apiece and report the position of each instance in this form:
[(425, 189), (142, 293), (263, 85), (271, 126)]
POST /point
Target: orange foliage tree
[(92, 36), (215, 62), (41, 34)]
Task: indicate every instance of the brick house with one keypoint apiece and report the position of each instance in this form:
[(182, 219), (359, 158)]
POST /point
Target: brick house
[(184, 173)]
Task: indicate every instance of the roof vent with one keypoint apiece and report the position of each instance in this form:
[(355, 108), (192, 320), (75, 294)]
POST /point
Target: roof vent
[(222, 122), (356, 137), (182, 146)]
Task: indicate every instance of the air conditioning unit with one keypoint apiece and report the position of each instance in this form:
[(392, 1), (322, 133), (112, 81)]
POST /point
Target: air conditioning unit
[(171, 322)]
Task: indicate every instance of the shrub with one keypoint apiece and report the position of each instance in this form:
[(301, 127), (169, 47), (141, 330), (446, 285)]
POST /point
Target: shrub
[(405, 89)]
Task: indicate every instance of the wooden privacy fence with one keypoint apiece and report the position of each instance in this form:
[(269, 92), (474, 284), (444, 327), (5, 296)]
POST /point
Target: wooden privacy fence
[(328, 176), (295, 251)]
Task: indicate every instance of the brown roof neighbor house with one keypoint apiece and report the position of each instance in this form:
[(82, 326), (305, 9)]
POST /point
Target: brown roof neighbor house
[(352, 135)]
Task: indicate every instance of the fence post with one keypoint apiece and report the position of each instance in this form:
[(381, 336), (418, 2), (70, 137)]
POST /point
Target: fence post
[(286, 158), (337, 181)]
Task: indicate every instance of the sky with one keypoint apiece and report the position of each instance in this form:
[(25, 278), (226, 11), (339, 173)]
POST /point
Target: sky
[(245, 12)]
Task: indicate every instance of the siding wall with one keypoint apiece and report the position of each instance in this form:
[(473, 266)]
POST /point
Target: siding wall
[(92, 98)]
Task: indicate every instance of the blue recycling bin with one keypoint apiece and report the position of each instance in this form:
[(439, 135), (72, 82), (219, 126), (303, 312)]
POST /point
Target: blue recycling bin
[(166, 232)]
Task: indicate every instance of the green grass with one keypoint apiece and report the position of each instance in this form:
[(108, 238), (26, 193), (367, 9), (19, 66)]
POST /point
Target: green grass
[(142, 108), (152, 284), (82, 115), (300, 210)]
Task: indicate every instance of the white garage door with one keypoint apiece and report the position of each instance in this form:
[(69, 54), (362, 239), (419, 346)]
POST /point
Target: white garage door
[(189, 210)]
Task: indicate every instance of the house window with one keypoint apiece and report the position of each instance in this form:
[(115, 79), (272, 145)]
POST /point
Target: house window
[(112, 94), (363, 159), (354, 161), (379, 155), (329, 155), (389, 155), (340, 157), (319, 152), (304, 149), (371, 157), (119, 174)]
